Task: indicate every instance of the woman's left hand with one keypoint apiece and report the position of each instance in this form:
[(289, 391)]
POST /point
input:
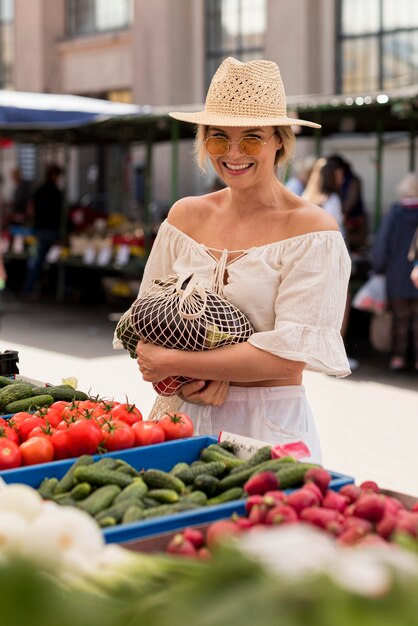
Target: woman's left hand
[(155, 363)]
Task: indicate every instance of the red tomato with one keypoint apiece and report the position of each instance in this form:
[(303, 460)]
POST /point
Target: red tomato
[(10, 455), (147, 433), (9, 433), (28, 425), (18, 418), (59, 406), (84, 437), (177, 425), (127, 413), (117, 436), (59, 440), (3, 422), (36, 450), (52, 417), (40, 431)]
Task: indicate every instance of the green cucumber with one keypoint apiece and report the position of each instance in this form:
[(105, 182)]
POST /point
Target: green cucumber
[(4, 381), (157, 479), (99, 500), (214, 468), (61, 392), (168, 509), (231, 494), (68, 481), (47, 488), (210, 485), (179, 467), (14, 392), (262, 455), (213, 455), (196, 497), (117, 511), (292, 474), (137, 489), (238, 479), (164, 496), (80, 491), (126, 468), (133, 514), (26, 404), (221, 450), (97, 476), (105, 522)]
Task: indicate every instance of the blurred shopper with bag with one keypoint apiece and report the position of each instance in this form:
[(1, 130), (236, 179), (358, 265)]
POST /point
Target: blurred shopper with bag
[(278, 258), (390, 257)]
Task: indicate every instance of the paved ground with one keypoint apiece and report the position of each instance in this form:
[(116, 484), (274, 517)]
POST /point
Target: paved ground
[(368, 422)]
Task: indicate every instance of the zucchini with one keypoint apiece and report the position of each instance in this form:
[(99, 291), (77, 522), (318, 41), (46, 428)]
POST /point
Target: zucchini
[(47, 488), (262, 455), (97, 476), (210, 485), (136, 490), (68, 481), (133, 514), (157, 479), (164, 496), (14, 392), (231, 494), (99, 500), (214, 468), (26, 404)]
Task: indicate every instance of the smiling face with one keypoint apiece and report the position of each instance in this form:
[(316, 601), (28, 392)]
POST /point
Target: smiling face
[(237, 168)]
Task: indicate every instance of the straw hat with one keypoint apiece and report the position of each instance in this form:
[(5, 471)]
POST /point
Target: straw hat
[(244, 94)]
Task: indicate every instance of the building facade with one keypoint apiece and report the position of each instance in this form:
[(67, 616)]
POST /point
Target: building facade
[(165, 51)]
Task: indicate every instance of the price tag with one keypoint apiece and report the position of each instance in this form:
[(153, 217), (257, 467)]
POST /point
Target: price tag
[(244, 447)]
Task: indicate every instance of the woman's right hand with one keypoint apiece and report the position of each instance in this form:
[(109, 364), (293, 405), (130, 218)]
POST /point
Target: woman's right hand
[(213, 392)]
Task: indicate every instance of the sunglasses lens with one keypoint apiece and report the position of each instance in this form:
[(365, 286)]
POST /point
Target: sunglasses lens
[(217, 145), (251, 145)]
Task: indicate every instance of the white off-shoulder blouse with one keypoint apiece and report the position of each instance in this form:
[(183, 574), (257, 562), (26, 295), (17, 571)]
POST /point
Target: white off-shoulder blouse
[(293, 291)]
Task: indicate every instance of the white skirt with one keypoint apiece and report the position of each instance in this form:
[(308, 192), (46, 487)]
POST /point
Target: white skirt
[(270, 414)]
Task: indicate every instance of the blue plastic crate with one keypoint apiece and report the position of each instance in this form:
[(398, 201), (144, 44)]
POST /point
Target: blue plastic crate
[(158, 456)]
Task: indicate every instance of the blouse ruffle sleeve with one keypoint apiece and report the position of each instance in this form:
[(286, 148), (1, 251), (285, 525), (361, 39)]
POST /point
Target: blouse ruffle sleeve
[(159, 263), (310, 305)]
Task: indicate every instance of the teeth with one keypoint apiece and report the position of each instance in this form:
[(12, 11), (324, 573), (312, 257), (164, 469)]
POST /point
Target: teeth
[(237, 167)]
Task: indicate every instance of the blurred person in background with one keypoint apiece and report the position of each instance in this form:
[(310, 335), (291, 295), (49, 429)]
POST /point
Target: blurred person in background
[(323, 189), (21, 198), (413, 256), (390, 257), (46, 209), (300, 172), (353, 207)]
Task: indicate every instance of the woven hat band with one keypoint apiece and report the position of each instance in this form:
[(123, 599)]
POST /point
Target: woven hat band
[(254, 90)]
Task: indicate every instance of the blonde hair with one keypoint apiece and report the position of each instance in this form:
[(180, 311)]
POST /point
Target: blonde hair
[(313, 190), (408, 186), (283, 155)]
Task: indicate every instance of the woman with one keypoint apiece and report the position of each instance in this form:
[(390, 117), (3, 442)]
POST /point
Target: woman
[(391, 257), (323, 189), (280, 259)]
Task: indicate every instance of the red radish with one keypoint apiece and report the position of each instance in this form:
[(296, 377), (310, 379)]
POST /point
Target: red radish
[(386, 526), (281, 514), (315, 490), (363, 526), (319, 476), (370, 485), (203, 553), (258, 514), (350, 536), (371, 506), (301, 499), (220, 531), (260, 483), (181, 546), (392, 505), (243, 523), (195, 536), (407, 522), (351, 492), (252, 500), (334, 500), (328, 519), (271, 498)]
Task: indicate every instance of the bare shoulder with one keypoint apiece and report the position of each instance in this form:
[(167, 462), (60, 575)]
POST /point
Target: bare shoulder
[(309, 218), (188, 213)]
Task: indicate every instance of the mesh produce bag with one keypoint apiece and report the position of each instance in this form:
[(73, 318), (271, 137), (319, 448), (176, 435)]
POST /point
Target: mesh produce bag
[(179, 312)]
